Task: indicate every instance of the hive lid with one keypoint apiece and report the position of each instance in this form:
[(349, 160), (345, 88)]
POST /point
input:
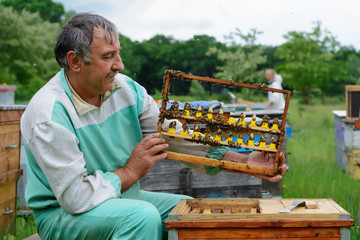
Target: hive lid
[(257, 210)]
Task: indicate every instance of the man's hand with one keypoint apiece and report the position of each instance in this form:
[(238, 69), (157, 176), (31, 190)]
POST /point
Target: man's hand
[(261, 159), (264, 159), (143, 157)]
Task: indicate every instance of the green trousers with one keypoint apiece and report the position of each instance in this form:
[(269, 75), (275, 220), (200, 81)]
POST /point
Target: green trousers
[(116, 218)]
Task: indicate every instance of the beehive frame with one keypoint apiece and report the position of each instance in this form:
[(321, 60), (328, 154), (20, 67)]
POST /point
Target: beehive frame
[(224, 126)]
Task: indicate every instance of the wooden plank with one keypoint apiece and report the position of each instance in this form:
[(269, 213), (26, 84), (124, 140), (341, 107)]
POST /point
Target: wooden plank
[(10, 116), (225, 238), (227, 211), (7, 192), (220, 163), (185, 210), (228, 202), (195, 211), (309, 204), (259, 233), (9, 147), (269, 206), (262, 224), (216, 211), (10, 176), (9, 218), (268, 211), (10, 128), (173, 215), (9, 161), (253, 211), (338, 207), (207, 211), (256, 217)]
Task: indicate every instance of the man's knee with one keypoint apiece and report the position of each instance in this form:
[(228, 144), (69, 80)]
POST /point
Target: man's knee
[(146, 213)]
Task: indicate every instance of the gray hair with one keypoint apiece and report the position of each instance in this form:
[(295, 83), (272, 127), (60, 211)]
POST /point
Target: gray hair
[(77, 35)]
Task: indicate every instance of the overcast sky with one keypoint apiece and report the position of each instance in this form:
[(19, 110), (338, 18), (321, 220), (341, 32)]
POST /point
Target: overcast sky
[(142, 19)]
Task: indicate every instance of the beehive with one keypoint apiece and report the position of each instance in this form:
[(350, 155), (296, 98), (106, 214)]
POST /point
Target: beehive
[(258, 219), (219, 130), (9, 165)]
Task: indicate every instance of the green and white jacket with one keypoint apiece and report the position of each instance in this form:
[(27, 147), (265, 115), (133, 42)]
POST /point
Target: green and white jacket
[(71, 155)]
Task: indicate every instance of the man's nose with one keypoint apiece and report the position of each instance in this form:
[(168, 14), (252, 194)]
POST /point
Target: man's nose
[(118, 64)]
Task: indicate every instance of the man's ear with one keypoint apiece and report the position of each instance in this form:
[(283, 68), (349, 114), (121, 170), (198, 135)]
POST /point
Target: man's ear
[(73, 61)]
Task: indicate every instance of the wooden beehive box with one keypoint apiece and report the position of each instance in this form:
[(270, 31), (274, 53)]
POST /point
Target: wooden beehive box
[(220, 128), (9, 165), (258, 219), (352, 97)]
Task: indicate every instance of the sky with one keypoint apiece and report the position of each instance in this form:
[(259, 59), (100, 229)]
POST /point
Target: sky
[(182, 19)]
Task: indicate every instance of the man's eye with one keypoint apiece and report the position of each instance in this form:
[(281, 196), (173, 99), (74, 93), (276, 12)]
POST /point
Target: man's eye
[(108, 56)]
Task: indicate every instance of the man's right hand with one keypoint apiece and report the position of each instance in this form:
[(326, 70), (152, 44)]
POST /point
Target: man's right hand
[(143, 157)]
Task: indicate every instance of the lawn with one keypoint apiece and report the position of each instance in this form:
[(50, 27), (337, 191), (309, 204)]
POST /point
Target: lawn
[(313, 171)]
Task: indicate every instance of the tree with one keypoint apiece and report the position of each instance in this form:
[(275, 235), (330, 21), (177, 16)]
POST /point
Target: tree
[(48, 10), (241, 61), (26, 50), (161, 53), (309, 61)]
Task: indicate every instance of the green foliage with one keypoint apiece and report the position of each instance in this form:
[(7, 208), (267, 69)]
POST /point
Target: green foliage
[(309, 61), (313, 171), (241, 62), (160, 53), (48, 10), (26, 51), (197, 90)]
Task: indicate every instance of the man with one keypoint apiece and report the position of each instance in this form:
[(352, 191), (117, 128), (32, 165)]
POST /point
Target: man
[(276, 100), (90, 135)]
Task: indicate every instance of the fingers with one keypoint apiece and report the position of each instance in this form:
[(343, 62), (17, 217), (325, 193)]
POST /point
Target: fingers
[(282, 165), (159, 156), (281, 158), (274, 178), (282, 169), (154, 143), (154, 150)]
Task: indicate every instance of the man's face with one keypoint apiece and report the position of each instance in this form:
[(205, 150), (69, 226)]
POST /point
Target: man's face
[(98, 76), (269, 75)]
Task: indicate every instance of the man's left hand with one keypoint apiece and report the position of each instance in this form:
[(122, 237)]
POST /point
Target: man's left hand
[(260, 159)]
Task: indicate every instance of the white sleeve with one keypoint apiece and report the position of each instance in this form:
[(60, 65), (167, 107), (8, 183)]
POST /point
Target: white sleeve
[(57, 153)]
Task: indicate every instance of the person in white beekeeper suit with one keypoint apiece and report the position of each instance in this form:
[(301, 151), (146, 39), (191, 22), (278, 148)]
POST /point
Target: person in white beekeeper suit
[(276, 100)]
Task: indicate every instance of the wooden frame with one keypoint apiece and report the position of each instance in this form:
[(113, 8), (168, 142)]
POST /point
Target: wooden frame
[(224, 125), (352, 96)]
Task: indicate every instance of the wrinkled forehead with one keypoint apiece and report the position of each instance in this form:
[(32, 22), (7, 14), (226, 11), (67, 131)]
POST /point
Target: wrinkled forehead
[(109, 36)]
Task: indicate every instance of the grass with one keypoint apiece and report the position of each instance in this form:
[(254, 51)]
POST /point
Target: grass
[(313, 171), (25, 227)]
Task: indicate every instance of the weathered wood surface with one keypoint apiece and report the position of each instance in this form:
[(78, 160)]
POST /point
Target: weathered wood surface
[(9, 166), (258, 219), (174, 177), (267, 210), (240, 167), (260, 233)]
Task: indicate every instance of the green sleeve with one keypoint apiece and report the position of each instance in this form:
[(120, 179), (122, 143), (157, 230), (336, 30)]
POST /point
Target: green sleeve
[(215, 153)]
